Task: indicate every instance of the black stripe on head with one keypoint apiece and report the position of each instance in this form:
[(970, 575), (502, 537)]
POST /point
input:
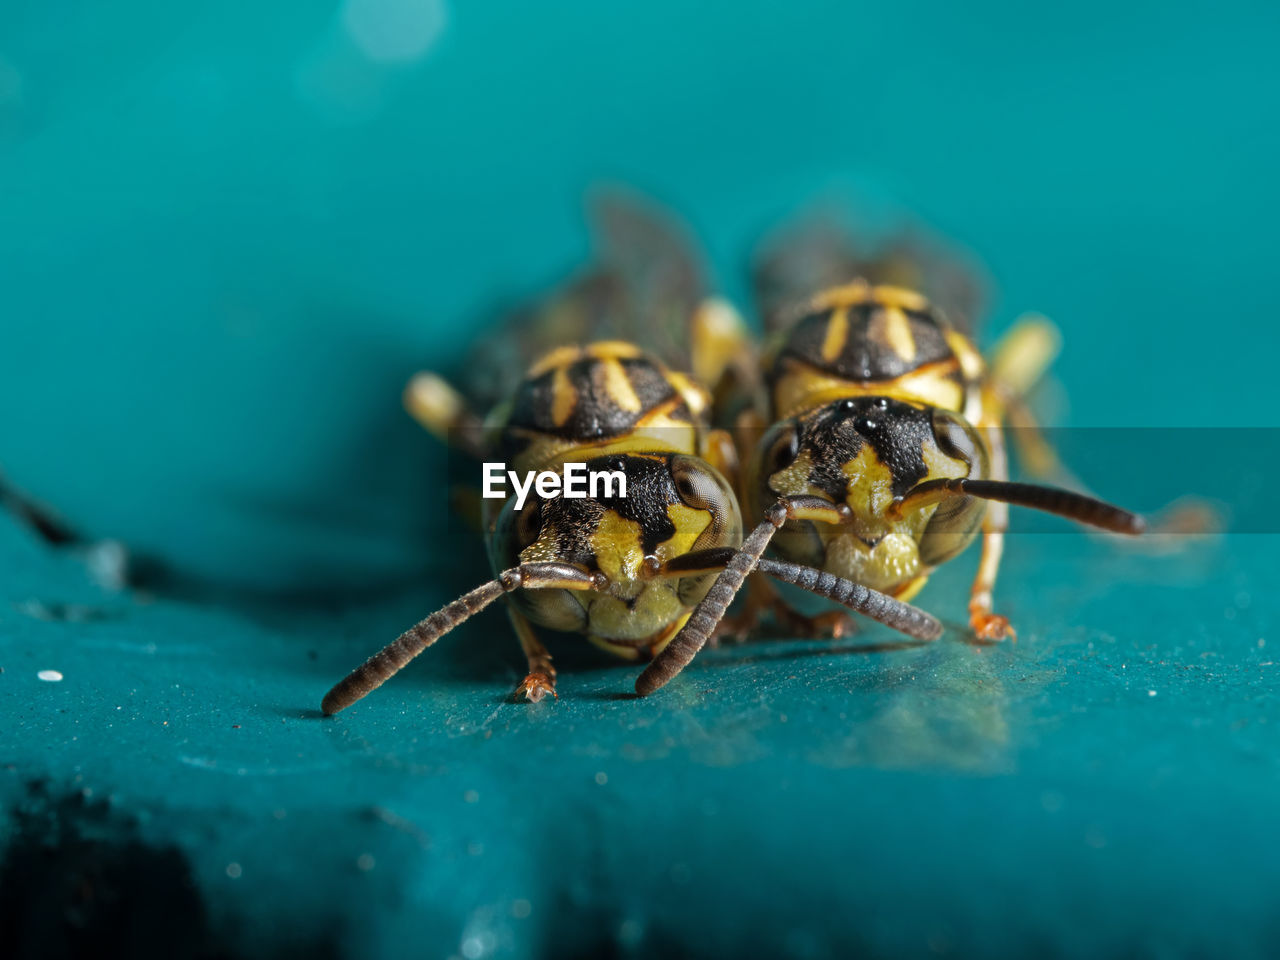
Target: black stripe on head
[(896, 431), (650, 490)]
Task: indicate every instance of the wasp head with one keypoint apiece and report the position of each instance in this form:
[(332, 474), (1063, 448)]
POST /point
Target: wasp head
[(865, 452), (673, 505)]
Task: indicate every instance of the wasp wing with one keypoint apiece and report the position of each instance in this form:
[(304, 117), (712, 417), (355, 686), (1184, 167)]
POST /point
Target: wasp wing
[(828, 246), (643, 284)]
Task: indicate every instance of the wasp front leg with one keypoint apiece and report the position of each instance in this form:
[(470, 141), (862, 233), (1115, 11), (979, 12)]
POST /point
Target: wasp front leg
[(986, 624), (541, 679)]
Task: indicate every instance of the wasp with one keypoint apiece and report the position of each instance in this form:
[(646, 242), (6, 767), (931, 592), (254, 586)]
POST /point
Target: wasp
[(884, 457), (626, 571)]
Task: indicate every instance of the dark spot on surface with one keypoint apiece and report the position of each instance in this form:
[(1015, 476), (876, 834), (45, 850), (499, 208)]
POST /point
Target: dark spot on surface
[(78, 881)]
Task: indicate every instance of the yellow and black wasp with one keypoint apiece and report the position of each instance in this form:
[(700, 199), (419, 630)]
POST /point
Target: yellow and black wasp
[(626, 571), (885, 454)]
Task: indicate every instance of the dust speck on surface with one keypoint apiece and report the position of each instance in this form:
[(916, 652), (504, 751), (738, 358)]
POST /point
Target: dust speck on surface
[(49, 676)]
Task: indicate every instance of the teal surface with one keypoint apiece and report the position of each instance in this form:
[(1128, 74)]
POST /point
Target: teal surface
[(227, 239)]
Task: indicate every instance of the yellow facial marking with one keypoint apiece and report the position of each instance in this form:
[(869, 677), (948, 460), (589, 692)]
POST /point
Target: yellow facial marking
[(892, 563), (617, 546), (891, 324), (617, 386), (837, 334), (689, 524), (940, 465), (794, 480), (563, 397), (870, 485)]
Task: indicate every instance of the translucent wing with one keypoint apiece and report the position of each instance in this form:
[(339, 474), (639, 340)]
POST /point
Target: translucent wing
[(643, 285), (829, 246)]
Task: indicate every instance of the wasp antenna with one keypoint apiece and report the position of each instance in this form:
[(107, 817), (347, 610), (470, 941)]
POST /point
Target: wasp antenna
[(1064, 503), (702, 622), (872, 604), (388, 661)]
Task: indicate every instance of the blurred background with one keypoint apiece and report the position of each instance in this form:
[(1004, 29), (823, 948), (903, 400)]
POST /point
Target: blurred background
[(227, 237), (230, 231)]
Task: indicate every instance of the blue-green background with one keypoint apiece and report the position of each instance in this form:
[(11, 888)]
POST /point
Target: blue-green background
[(227, 235)]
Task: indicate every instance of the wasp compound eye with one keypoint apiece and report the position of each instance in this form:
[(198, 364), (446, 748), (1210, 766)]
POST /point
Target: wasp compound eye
[(783, 447), (695, 484), (955, 437), (529, 523)]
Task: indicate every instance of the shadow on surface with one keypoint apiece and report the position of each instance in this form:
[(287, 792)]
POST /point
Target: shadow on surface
[(78, 881)]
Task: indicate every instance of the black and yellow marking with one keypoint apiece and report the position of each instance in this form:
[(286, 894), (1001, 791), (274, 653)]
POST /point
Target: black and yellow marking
[(886, 427)]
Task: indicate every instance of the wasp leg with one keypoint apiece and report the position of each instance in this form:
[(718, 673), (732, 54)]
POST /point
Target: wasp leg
[(724, 359), (986, 624), (719, 343), (542, 675), (1023, 355), (445, 414), (1018, 363), (719, 451)]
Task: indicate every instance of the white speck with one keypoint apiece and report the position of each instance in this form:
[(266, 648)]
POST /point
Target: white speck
[(472, 948), (234, 870), (1261, 642), (393, 30), (602, 778), (521, 909), (471, 796), (365, 862), (1151, 693), (49, 676)]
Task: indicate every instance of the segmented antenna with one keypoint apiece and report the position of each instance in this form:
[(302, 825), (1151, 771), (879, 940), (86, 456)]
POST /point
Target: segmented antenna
[(1064, 503), (388, 661)]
